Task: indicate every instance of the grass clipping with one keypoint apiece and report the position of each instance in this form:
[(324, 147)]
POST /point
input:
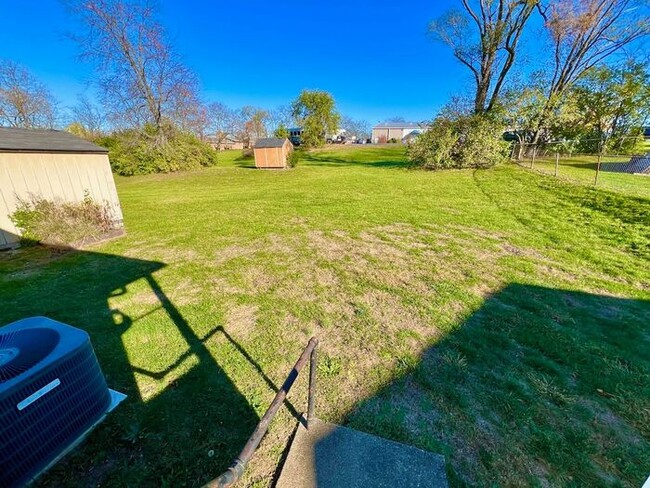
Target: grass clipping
[(61, 223)]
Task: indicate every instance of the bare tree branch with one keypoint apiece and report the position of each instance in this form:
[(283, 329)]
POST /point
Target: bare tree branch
[(488, 50), (140, 78), (24, 101), (584, 33)]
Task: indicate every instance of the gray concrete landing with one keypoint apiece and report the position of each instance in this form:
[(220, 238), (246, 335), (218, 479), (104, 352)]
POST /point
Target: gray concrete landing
[(331, 456)]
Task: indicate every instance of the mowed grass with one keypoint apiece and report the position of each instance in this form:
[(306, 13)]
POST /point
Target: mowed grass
[(581, 169), (499, 317)]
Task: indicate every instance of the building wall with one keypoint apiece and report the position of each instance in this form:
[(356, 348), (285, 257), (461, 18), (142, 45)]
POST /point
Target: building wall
[(379, 135), (53, 176), (385, 134)]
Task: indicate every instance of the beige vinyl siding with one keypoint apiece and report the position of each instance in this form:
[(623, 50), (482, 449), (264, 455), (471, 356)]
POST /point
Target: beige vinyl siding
[(53, 176), (378, 134)]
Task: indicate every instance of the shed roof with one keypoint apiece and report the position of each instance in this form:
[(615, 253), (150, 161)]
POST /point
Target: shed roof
[(269, 142), (44, 140)]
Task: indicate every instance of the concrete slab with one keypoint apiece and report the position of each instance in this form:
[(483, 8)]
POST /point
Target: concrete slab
[(331, 456)]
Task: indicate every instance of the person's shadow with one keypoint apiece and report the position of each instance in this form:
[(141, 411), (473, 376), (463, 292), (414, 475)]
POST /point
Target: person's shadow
[(183, 436)]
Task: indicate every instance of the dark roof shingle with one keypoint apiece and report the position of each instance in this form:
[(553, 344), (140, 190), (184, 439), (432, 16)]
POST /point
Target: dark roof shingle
[(44, 140), (269, 142)]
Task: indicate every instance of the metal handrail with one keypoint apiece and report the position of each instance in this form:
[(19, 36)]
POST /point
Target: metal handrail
[(236, 469)]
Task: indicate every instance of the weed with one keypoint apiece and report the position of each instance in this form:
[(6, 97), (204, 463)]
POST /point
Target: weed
[(329, 366)]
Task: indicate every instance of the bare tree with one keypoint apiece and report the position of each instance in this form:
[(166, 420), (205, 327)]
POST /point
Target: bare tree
[(279, 117), (485, 38), (196, 119), (140, 77), (583, 34), (221, 119), (89, 116), (24, 101), (359, 129), (255, 120), (247, 123)]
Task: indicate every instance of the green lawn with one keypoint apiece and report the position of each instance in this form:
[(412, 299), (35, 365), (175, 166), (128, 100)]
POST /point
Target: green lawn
[(581, 169), (499, 317)]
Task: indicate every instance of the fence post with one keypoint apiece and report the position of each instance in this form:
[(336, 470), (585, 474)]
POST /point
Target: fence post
[(532, 159), (600, 157), (557, 162), (597, 168)]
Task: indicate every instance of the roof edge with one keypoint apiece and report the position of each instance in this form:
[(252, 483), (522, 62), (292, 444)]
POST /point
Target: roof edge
[(57, 151)]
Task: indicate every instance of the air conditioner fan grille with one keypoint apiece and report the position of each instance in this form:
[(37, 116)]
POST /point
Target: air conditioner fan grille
[(21, 350)]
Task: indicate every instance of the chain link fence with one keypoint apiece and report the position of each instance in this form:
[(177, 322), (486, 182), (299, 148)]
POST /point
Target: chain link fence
[(623, 166)]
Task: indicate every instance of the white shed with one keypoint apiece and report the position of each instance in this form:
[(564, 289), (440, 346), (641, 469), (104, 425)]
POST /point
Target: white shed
[(54, 165)]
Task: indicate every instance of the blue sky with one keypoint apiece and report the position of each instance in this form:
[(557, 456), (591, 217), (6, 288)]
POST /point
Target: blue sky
[(374, 57)]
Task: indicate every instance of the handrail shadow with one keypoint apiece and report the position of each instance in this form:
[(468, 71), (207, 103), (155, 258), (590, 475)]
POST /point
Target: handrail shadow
[(153, 438)]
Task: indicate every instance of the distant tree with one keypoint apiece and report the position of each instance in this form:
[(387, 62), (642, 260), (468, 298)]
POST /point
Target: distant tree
[(356, 128), (24, 100), (282, 132), (316, 113), (89, 120), (395, 120), (279, 117), (221, 119), (256, 119), (485, 39), (196, 120), (140, 78), (584, 33)]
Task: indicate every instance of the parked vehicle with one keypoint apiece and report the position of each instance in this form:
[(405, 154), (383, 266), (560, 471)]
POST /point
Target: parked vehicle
[(295, 136)]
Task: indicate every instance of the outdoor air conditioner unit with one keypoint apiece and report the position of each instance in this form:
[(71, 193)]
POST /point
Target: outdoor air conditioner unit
[(52, 393)]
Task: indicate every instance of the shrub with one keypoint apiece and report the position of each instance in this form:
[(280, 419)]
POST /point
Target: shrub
[(392, 140), (462, 141), (138, 152), (293, 158), (61, 223)]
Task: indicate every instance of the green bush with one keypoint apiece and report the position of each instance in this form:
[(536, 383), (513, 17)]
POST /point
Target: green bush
[(293, 158), (139, 152), (464, 141), (61, 223)]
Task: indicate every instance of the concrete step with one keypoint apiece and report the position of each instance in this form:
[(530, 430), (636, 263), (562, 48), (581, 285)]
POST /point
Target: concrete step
[(331, 456)]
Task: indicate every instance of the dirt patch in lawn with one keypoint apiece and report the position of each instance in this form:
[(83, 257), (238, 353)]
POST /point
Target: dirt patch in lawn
[(241, 320)]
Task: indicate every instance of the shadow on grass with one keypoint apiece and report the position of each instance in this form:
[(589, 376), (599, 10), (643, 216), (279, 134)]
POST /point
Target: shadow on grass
[(245, 165), (539, 386), (163, 438), (246, 162), (537, 383)]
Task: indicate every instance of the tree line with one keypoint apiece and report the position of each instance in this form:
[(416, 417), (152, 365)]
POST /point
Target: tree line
[(589, 81), (149, 111)]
